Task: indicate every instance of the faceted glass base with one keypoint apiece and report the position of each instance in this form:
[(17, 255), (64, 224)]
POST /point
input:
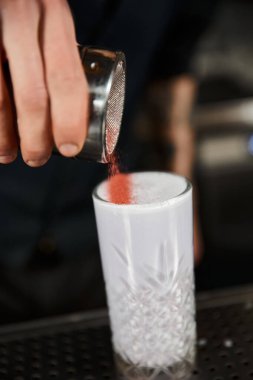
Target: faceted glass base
[(178, 371)]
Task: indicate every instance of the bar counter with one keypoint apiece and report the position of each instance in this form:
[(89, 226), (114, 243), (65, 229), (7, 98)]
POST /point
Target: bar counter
[(78, 346)]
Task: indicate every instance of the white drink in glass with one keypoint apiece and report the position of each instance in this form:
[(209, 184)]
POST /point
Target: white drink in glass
[(147, 256)]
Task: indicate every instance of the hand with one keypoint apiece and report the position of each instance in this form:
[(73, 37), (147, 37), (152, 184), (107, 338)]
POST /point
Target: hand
[(50, 89)]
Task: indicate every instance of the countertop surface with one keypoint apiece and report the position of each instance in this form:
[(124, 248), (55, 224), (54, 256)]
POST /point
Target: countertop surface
[(78, 346)]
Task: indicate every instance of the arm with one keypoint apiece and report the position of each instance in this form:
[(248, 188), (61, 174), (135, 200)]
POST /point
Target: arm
[(182, 93)]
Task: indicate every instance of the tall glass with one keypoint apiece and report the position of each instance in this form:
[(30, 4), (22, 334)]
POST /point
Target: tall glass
[(147, 257)]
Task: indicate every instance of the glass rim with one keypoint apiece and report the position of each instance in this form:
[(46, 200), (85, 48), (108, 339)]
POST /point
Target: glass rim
[(169, 201)]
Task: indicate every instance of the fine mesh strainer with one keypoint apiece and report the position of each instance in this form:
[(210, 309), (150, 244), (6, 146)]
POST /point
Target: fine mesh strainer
[(105, 72)]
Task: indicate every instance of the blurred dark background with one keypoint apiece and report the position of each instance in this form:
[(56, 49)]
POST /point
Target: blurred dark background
[(223, 124), (224, 130)]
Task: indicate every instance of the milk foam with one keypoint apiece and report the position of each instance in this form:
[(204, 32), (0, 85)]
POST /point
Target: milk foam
[(149, 187)]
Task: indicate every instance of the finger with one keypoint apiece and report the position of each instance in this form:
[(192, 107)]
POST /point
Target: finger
[(67, 86), (8, 138), (21, 41)]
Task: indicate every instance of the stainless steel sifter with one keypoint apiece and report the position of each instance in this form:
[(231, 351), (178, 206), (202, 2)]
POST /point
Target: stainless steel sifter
[(105, 72)]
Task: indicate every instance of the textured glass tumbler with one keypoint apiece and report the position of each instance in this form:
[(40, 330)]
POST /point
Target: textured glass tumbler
[(147, 257)]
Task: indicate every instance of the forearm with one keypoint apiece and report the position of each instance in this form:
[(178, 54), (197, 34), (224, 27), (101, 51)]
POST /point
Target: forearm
[(181, 93)]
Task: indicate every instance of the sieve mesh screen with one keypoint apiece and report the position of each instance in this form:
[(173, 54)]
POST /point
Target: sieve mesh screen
[(115, 108)]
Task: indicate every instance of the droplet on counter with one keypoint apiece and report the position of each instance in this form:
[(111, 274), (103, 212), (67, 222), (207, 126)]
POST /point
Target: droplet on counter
[(202, 342), (228, 343)]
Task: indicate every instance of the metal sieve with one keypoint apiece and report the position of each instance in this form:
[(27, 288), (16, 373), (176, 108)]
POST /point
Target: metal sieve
[(105, 72)]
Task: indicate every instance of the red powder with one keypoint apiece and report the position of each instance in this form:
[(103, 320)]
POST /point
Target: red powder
[(119, 188), (113, 167), (119, 184)]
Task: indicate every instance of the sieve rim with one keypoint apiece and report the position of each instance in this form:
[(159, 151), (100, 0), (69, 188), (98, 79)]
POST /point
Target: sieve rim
[(99, 66), (119, 64), (119, 59), (157, 204)]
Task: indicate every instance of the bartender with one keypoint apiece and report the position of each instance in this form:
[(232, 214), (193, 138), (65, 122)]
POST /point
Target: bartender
[(46, 213)]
